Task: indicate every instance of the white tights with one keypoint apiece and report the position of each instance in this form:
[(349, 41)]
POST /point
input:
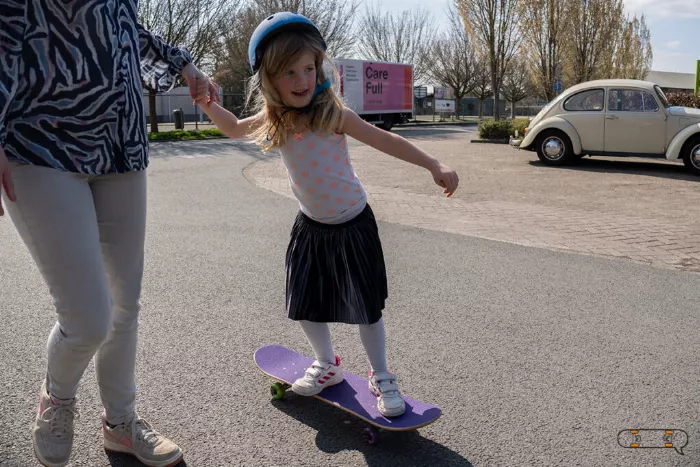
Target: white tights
[(372, 336)]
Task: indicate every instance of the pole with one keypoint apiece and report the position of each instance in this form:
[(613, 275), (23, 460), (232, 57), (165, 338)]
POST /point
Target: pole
[(196, 107)]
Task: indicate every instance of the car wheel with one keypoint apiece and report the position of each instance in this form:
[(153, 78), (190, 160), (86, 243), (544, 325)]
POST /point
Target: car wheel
[(554, 148), (691, 154)]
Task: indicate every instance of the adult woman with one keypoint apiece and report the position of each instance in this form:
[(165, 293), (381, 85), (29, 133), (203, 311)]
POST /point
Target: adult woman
[(73, 130)]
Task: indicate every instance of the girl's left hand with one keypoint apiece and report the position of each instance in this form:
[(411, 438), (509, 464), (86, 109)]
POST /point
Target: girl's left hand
[(446, 178)]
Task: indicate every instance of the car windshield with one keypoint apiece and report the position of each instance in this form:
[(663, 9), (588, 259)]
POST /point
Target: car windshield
[(662, 97)]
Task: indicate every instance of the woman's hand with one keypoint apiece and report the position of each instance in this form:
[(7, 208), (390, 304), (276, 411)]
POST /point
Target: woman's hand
[(202, 89), (6, 180)]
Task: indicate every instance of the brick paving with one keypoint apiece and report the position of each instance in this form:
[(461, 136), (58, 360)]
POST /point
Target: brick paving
[(656, 230)]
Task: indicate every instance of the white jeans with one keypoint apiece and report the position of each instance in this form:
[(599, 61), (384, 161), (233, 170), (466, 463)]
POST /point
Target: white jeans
[(86, 234)]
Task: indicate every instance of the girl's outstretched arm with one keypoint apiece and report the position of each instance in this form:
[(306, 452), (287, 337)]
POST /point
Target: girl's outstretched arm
[(398, 147), (228, 123)]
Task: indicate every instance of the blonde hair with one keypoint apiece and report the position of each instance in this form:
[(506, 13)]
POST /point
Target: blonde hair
[(326, 113)]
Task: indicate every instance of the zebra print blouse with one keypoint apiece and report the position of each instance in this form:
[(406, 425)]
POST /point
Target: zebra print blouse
[(70, 83)]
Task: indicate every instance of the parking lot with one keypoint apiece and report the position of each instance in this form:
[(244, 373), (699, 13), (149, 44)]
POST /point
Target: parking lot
[(536, 358), (642, 210)]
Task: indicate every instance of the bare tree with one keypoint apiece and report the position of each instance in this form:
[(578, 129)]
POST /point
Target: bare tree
[(517, 84), (494, 23), (482, 83), (453, 59), (545, 28), (593, 36), (632, 55), (402, 38), (334, 18), (193, 24)]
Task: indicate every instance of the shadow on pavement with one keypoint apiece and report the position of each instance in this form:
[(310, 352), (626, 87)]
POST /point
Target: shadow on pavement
[(621, 166), (426, 132), (123, 460), (340, 431), (212, 146)]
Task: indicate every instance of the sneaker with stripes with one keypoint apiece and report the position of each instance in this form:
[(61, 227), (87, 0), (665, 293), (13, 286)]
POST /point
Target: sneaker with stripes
[(318, 376)]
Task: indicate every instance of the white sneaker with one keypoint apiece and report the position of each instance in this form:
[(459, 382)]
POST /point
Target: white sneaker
[(318, 377), (389, 401), (52, 433), (136, 437)]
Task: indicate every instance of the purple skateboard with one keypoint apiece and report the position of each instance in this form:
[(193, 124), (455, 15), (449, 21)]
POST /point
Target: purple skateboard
[(352, 395)]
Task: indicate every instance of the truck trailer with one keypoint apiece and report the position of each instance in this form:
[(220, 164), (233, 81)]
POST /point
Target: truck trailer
[(379, 92)]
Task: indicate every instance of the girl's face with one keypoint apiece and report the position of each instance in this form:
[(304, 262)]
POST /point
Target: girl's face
[(297, 82)]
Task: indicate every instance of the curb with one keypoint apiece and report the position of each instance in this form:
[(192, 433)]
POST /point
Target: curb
[(175, 140), (490, 141), (413, 124)]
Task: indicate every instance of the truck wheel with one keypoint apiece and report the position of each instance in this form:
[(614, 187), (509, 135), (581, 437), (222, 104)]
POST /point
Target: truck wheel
[(388, 123), (554, 148), (691, 154)]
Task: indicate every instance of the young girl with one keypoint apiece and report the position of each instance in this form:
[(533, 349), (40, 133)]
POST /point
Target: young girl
[(334, 264)]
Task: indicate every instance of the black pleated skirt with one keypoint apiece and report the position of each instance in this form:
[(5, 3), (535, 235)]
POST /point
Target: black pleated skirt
[(336, 272)]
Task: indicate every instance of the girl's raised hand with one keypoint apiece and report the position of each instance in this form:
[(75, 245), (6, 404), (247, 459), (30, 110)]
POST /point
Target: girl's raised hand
[(446, 178)]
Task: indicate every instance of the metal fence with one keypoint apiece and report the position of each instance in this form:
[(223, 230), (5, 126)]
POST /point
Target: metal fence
[(179, 99), (469, 107)]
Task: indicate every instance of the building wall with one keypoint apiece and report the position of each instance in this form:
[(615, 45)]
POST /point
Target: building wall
[(166, 103)]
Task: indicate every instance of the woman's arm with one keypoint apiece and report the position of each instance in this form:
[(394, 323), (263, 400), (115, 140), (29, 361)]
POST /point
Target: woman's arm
[(396, 146), (12, 25), (161, 63)]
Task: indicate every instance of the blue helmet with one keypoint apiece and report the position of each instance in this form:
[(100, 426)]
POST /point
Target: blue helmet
[(270, 27)]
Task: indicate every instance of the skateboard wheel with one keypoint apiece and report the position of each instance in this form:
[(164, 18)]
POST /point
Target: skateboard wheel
[(370, 435), (277, 390)]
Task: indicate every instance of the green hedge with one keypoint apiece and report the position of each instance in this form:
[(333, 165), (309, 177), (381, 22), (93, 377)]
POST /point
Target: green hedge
[(179, 135), (502, 129), (492, 129), (519, 125)]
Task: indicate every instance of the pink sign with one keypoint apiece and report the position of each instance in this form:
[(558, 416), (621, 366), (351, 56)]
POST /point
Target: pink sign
[(387, 86)]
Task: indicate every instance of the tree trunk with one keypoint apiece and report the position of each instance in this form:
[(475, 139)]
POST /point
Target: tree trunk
[(153, 111), (512, 110), (481, 109), (496, 107)]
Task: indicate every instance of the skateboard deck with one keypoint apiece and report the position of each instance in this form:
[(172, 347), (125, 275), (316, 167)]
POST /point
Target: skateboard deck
[(352, 395)]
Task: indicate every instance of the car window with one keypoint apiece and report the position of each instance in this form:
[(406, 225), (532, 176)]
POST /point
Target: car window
[(650, 104), (628, 100), (591, 100)]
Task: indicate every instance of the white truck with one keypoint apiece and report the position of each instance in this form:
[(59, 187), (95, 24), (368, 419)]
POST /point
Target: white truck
[(379, 92)]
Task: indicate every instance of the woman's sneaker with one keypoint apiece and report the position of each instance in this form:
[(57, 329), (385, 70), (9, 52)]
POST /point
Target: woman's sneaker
[(318, 377), (136, 437), (389, 401), (52, 433)]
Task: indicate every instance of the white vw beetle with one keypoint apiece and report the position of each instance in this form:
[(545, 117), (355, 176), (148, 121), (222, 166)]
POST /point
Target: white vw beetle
[(613, 118)]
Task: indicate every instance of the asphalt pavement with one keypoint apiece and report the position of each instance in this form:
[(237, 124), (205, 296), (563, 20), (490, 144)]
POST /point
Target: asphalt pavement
[(536, 358)]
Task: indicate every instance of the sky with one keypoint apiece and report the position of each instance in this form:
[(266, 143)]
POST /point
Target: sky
[(673, 25)]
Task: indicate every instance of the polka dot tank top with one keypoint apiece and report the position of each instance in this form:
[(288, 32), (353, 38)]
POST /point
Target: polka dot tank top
[(322, 177)]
